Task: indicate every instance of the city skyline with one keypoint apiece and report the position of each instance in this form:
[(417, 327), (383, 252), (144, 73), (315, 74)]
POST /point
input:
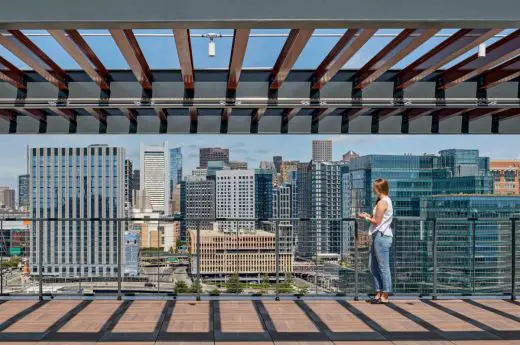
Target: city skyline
[(254, 149)]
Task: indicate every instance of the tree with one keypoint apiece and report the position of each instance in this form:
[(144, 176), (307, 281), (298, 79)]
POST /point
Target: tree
[(265, 282), (196, 287), (233, 285), (180, 287)]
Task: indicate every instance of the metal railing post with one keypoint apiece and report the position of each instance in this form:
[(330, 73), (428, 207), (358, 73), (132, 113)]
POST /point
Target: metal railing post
[(158, 257), (316, 254), (513, 258), (119, 259), (40, 263), (2, 260), (356, 259), (434, 258), (473, 254), (198, 286), (277, 259)]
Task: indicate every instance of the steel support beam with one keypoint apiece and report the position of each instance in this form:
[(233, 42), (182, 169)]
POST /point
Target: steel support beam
[(347, 46), (457, 44), (405, 43), (497, 53), (317, 116), (183, 44), (79, 50), (133, 55), (287, 115), (502, 74), (256, 115), (23, 48), (291, 50), (167, 14), (238, 51), (8, 115), (68, 114), (37, 114), (11, 74), (98, 113)]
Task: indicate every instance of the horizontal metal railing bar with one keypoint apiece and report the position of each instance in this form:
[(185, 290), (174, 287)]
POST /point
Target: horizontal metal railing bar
[(162, 219), (252, 35)]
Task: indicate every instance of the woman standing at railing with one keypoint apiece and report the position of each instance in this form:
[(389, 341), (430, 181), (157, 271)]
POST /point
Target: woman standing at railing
[(380, 232)]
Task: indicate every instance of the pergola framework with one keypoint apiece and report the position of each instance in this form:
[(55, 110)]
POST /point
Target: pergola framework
[(476, 94)]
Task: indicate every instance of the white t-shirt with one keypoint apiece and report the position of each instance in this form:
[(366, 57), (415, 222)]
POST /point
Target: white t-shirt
[(385, 227)]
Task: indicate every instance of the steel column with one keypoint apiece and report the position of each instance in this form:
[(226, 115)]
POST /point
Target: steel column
[(405, 43), (287, 115), (291, 50)]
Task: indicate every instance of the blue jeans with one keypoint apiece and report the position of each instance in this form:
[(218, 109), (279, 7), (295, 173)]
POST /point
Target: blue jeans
[(379, 262)]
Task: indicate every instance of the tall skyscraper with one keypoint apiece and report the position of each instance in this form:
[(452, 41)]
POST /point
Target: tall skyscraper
[(23, 192), (322, 150), (213, 154), (129, 184), (155, 178), (7, 198), (319, 197), (282, 208), (263, 195), (77, 183), (506, 176), (136, 176), (277, 161), (197, 203), (175, 168), (236, 199)]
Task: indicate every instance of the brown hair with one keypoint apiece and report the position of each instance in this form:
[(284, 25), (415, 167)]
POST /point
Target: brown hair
[(381, 185)]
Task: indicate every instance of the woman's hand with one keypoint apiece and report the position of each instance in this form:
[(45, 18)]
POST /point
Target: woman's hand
[(364, 215)]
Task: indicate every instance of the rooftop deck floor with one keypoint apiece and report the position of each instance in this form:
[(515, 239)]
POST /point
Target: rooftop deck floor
[(259, 322)]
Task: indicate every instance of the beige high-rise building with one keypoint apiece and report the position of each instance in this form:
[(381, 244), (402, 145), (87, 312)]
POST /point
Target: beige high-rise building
[(506, 175), (322, 150), (250, 253)]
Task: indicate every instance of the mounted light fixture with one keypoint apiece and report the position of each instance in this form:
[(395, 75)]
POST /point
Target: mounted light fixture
[(482, 50), (212, 50)]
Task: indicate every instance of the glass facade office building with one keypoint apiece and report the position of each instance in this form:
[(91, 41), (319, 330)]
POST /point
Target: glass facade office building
[(76, 183), (411, 178), (175, 168), (474, 242)]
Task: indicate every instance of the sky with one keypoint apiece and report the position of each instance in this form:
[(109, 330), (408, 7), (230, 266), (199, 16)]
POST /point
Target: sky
[(254, 148)]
